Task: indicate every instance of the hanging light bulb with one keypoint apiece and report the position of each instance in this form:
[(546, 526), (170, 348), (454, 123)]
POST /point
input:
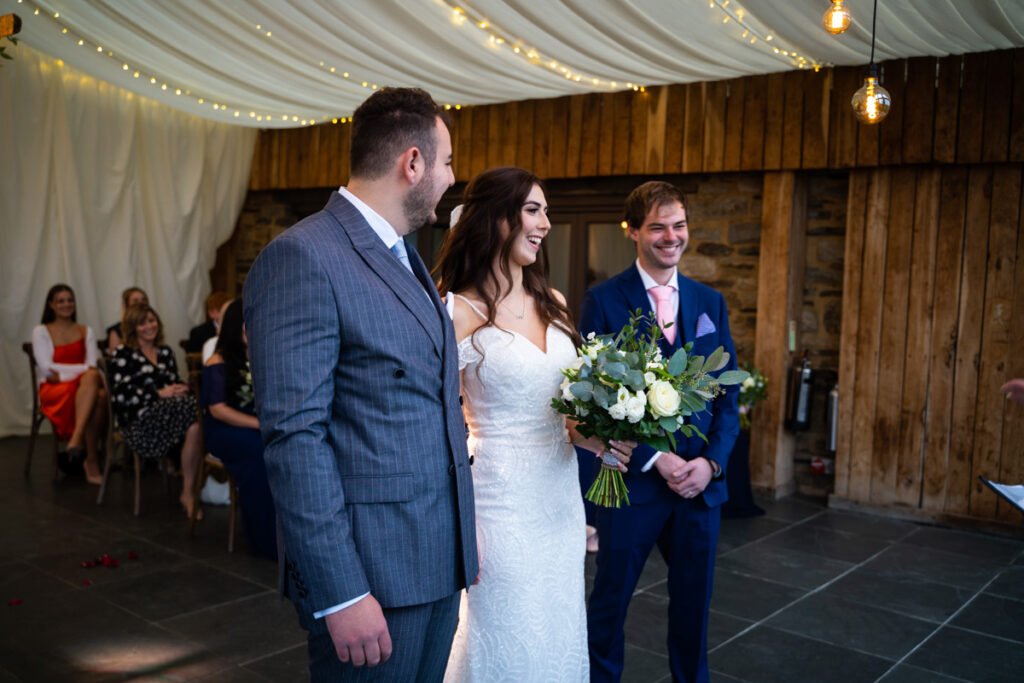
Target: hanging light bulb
[(871, 102), (837, 18)]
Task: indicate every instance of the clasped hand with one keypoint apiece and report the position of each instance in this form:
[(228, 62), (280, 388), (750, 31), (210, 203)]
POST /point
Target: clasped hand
[(173, 390), (687, 478), (360, 633)]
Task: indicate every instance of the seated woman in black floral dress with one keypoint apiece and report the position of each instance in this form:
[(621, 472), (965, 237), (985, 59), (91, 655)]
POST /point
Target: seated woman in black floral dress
[(232, 430), (154, 408)]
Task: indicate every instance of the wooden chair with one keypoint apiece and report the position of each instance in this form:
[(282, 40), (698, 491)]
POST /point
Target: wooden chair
[(38, 417), (114, 441), (212, 466)]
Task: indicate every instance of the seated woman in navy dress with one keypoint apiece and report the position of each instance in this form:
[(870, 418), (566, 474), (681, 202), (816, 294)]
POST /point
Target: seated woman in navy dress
[(233, 431)]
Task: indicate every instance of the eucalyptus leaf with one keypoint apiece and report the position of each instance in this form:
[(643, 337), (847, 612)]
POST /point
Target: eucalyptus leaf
[(584, 391), (669, 424), (616, 370), (635, 380), (677, 364), (659, 443), (731, 377), (601, 396), (713, 361)]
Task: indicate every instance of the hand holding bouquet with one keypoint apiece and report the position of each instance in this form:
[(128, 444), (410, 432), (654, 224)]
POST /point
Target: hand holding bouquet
[(620, 387)]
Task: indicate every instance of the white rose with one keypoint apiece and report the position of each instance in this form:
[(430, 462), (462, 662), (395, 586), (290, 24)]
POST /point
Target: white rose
[(618, 411), (622, 396), (650, 378), (590, 336), (664, 399), (635, 408), (566, 393), (748, 383)]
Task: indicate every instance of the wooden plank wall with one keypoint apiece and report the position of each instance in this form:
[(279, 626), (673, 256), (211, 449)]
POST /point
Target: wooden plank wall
[(783, 121), (933, 324)]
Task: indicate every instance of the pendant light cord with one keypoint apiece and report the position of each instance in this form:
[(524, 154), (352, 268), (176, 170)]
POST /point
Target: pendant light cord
[(874, 16)]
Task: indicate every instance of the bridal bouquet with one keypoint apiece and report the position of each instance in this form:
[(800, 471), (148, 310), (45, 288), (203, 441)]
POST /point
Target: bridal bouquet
[(620, 387)]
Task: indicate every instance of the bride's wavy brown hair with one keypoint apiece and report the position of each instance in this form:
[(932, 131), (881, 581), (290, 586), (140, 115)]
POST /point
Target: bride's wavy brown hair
[(470, 248)]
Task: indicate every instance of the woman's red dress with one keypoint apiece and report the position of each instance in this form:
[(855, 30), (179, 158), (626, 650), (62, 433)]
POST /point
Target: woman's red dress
[(58, 400)]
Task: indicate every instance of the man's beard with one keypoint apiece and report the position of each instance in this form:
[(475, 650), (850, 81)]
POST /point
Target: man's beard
[(419, 207)]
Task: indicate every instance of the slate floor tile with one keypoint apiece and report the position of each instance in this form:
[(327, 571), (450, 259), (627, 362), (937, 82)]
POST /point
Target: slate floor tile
[(970, 656)]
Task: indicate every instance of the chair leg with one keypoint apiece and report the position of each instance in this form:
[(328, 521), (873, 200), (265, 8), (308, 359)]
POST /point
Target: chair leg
[(36, 421), (108, 460), (232, 513), (56, 458), (138, 482), (201, 475)]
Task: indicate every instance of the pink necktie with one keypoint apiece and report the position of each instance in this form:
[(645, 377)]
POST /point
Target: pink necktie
[(663, 300)]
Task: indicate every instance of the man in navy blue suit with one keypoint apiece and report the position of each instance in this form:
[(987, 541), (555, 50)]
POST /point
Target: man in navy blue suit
[(675, 496)]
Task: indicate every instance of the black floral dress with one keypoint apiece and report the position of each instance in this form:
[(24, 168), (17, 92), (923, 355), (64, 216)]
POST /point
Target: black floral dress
[(151, 425)]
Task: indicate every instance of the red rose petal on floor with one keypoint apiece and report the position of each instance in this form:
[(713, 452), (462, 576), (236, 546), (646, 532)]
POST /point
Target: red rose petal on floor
[(88, 564), (86, 582), (14, 602)]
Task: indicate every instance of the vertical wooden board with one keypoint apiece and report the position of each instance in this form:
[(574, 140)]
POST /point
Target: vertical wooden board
[(910, 447), (999, 88), (752, 152), (734, 105), (638, 122), (947, 108), (774, 116), (856, 215), (675, 121), (258, 166), (693, 128), (891, 129), (965, 382), (278, 168), (654, 137), (495, 134), (995, 340), (481, 134), (945, 316), (591, 135), (1016, 143), (574, 136), (462, 120), (868, 137), (893, 345), (559, 137), (793, 118), (971, 123), (321, 159), (843, 125), (524, 134), (869, 327), (623, 107), (1011, 464), (817, 100), (714, 126), (509, 137), (919, 112), (344, 152), (543, 117), (606, 141)]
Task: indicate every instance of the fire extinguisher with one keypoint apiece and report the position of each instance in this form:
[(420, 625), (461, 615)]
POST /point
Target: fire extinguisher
[(798, 395)]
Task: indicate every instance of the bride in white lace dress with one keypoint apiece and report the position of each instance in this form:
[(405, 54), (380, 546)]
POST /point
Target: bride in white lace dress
[(525, 619)]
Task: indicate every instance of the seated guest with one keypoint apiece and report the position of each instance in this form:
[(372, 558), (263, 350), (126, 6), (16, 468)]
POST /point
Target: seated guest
[(210, 345), (154, 408), (208, 329), (232, 430), (70, 388), (129, 298)]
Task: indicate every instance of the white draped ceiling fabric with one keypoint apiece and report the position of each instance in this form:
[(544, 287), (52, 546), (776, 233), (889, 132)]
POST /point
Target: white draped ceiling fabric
[(128, 125), (278, 63)]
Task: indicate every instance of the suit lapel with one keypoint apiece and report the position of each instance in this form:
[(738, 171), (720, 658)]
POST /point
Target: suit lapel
[(688, 308), (407, 287)]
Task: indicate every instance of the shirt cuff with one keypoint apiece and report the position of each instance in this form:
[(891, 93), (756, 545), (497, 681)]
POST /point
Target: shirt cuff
[(337, 608), (650, 463)]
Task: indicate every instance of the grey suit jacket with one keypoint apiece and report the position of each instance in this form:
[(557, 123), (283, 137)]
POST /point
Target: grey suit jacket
[(356, 380)]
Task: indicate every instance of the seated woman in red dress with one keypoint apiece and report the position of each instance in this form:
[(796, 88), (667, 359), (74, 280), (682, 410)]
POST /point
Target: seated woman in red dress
[(154, 408), (70, 390)]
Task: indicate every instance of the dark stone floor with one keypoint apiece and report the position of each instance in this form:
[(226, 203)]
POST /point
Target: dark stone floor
[(802, 594)]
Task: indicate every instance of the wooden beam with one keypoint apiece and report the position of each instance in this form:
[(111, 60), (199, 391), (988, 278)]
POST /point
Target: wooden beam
[(780, 278)]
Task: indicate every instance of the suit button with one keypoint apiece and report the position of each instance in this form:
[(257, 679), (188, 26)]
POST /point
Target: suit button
[(461, 401), (451, 470), (399, 373)]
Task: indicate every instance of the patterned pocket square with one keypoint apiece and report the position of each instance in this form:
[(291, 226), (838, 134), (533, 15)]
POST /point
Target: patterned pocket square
[(704, 325)]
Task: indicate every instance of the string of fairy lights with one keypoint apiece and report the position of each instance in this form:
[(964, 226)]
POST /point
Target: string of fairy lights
[(493, 37), (766, 39)]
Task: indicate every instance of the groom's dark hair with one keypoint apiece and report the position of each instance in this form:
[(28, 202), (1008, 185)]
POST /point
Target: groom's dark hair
[(651, 195), (389, 122)]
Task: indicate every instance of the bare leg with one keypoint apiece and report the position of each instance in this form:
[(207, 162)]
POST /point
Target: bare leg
[(85, 399), (93, 429), (191, 452)]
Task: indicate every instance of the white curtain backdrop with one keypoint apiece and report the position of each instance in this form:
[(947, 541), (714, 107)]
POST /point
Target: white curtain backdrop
[(102, 189)]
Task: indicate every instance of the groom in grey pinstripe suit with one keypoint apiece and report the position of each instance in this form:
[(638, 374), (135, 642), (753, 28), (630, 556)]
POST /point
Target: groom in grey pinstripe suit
[(357, 391)]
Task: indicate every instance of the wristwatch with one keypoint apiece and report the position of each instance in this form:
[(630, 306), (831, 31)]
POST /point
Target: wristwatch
[(716, 469)]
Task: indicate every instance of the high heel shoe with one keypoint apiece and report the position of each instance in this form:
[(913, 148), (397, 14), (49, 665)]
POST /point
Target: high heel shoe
[(93, 475), (192, 508)]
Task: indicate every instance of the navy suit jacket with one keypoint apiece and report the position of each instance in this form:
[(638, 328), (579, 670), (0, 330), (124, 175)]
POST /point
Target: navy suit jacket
[(606, 310), (356, 381)]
